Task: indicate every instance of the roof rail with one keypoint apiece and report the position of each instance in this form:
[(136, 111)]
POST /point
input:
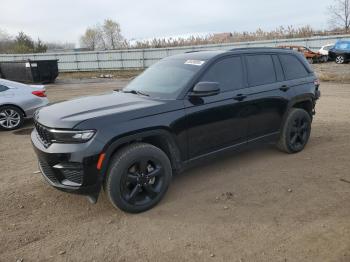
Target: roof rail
[(194, 51), (248, 48)]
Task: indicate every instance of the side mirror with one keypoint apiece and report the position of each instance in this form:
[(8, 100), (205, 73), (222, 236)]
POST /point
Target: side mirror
[(205, 89)]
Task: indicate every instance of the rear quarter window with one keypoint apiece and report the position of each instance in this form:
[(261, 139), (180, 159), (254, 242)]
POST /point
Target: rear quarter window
[(260, 70), (3, 88), (292, 67)]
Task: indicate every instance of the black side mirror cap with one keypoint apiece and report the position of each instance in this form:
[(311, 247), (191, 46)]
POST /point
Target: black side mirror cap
[(205, 89)]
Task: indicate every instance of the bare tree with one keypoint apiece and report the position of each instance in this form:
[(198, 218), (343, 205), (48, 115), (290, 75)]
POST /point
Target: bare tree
[(340, 14), (103, 37), (92, 38), (112, 34)]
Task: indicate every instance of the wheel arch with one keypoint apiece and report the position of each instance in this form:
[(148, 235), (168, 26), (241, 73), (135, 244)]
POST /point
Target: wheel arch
[(160, 137), (14, 105), (306, 104)]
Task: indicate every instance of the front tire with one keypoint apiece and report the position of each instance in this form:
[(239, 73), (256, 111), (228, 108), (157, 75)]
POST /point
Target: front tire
[(11, 118), (340, 59), (295, 131), (138, 177)]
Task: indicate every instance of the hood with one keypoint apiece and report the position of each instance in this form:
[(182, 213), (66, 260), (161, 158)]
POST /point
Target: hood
[(127, 106)]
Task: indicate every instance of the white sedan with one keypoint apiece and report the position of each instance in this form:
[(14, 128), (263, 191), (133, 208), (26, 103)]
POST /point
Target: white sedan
[(19, 101), (324, 49)]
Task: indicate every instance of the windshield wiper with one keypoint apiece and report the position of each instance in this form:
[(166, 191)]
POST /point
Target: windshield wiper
[(136, 92)]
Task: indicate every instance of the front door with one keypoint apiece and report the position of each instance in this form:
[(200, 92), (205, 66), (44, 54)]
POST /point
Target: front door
[(217, 122)]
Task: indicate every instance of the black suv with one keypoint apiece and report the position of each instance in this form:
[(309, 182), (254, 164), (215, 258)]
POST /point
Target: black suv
[(182, 109)]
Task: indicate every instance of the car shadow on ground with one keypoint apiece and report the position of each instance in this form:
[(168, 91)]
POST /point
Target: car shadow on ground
[(26, 129)]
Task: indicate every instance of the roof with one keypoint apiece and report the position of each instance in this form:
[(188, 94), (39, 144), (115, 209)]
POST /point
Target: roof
[(198, 55), (207, 55)]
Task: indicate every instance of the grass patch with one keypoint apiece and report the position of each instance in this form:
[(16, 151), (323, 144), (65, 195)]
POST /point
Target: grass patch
[(333, 77)]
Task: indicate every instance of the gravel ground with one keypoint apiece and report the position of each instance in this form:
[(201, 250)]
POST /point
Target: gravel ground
[(259, 205)]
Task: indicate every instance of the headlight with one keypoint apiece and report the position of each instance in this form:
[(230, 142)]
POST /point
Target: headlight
[(79, 136)]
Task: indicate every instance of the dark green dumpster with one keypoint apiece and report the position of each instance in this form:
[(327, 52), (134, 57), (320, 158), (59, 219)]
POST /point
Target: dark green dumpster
[(30, 71)]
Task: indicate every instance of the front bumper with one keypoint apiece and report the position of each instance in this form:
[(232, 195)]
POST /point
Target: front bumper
[(69, 167)]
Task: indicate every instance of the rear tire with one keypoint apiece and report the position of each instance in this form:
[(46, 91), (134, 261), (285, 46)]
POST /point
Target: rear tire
[(138, 177), (295, 131), (11, 118)]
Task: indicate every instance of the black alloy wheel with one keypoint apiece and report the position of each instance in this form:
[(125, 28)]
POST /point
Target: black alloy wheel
[(299, 133), (142, 181)]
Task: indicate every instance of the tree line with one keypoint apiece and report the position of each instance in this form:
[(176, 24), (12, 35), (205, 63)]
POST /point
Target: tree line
[(23, 44), (20, 44)]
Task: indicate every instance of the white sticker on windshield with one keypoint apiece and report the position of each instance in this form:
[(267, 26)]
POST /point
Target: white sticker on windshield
[(194, 62)]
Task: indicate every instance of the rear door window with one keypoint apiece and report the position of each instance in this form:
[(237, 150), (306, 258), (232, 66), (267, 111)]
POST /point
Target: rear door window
[(292, 67), (260, 70), (227, 72), (278, 68)]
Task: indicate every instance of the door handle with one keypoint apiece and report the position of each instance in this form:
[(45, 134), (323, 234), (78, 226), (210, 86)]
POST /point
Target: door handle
[(240, 97), (284, 88)]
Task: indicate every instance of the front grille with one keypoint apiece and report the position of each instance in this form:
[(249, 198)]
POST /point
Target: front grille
[(44, 134), (47, 171)]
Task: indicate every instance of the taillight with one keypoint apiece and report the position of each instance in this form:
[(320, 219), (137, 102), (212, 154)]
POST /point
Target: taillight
[(39, 93)]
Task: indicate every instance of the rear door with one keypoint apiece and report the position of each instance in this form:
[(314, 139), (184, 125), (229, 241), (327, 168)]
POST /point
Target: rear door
[(217, 122), (267, 95), (298, 77)]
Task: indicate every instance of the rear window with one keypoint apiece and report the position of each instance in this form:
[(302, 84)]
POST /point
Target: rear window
[(260, 70), (227, 72), (292, 67)]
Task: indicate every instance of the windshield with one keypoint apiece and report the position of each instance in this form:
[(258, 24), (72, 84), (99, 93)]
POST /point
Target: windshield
[(343, 45), (166, 79)]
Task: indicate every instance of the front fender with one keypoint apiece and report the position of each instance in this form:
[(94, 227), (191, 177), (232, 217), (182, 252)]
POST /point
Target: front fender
[(140, 135)]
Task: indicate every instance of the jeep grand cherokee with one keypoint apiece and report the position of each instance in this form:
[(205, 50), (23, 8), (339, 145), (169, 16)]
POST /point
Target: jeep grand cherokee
[(182, 109)]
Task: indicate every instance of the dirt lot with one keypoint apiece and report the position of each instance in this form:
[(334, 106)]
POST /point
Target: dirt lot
[(261, 205)]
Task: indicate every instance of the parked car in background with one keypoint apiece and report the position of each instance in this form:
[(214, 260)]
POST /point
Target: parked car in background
[(19, 101), (340, 53), (324, 50), (311, 56), (182, 109)]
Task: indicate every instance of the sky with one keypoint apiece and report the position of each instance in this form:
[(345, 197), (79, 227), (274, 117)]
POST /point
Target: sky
[(66, 20)]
